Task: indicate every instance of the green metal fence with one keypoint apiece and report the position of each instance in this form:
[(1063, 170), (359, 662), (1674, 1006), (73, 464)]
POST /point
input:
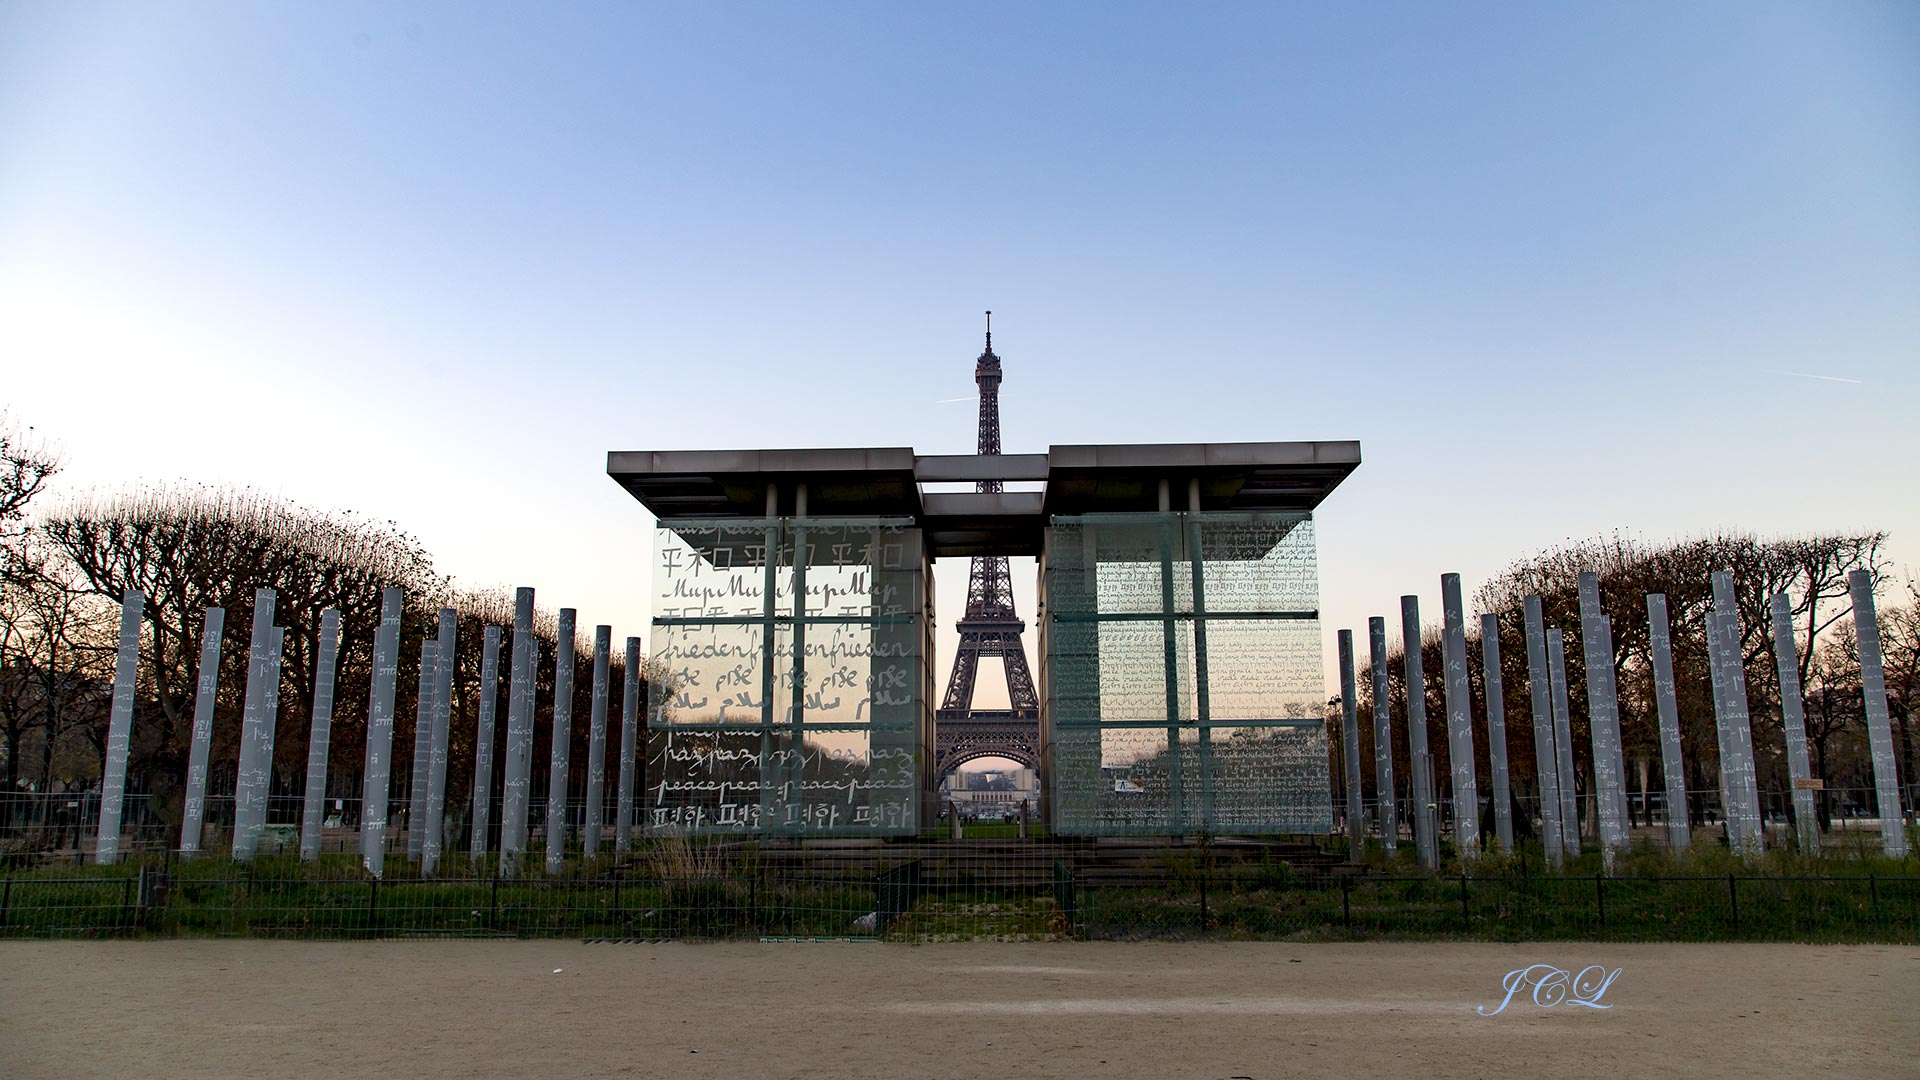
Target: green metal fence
[(1730, 908), (907, 902)]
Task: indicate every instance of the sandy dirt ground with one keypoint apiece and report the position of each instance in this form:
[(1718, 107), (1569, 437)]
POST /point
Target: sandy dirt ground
[(261, 1009)]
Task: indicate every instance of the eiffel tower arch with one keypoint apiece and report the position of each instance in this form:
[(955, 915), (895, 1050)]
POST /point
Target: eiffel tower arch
[(990, 627)]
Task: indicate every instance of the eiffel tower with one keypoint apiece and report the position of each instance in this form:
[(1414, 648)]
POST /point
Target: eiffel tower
[(989, 628)]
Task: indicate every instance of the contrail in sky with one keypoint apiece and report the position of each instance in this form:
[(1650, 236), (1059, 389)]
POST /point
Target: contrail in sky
[(1823, 378), (951, 400)]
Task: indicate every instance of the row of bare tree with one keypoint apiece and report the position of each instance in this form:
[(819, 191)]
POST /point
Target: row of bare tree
[(1812, 571), (191, 549)]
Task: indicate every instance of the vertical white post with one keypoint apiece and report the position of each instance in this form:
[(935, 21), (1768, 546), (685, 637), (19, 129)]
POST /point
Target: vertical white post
[(1873, 689), (276, 653), (1546, 753), (256, 735), (1679, 830), (1350, 738), (562, 744), (597, 741), (1426, 829), (380, 695), (483, 742), (1387, 810), (113, 776), (434, 836), (1793, 721), (1563, 744), (319, 737), (1743, 788), (1496, 731), (194, 810), (519, 764), (1603, 716), (422, 751), (1459, 698), (629, 747)]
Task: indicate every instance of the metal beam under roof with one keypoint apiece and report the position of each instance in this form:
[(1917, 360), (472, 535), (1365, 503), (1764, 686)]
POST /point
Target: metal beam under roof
[(1291, 477)]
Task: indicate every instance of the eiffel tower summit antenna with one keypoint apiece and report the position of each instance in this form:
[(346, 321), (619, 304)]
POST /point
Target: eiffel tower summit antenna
[(990, 627)]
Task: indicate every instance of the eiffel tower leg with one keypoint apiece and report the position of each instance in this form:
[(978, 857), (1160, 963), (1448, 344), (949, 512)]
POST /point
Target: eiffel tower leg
[(966, 665), (1021, 695)]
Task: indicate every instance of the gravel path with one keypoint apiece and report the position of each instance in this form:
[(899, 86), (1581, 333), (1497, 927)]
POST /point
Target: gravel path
[(259, 1009)]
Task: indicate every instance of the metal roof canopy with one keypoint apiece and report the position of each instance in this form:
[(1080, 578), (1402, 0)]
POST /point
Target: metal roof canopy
[(1288, 477)]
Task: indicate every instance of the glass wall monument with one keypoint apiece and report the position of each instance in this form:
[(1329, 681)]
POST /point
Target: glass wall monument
[(1181, 675), (794, 693), (791, 689)]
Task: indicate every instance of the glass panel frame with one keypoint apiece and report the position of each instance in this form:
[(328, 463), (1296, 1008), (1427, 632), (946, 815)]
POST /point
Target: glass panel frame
[(1217, 733), (819, 731)]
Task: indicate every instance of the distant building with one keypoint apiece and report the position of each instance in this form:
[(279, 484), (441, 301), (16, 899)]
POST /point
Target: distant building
[(992, 791)]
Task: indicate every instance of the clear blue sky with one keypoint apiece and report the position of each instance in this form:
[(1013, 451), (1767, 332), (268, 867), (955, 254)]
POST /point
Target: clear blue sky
[(1561, 269)]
